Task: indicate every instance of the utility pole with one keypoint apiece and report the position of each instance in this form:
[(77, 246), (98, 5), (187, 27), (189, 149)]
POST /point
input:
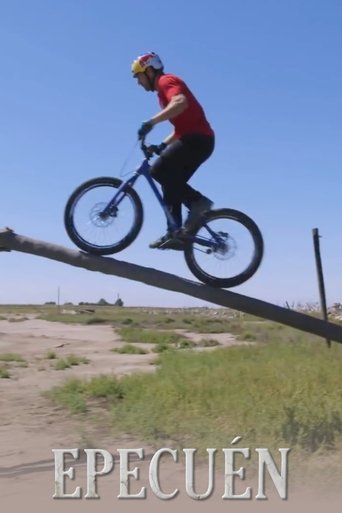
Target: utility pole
[(319, 267)]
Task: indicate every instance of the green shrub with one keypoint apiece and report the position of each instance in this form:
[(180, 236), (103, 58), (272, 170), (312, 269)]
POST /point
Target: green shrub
[(208, 342), (11, 357), (4, 373), (129, 349), (50, 355), (69, 361), (136, 335)]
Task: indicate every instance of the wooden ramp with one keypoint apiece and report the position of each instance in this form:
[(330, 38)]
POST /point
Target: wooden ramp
[(10, 241)]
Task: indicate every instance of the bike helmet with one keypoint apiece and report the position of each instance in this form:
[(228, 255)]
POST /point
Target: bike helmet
[(141, 63)]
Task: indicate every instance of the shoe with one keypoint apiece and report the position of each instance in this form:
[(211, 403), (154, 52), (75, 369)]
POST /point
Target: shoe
[(197, 210), (159, 242), (176, 244), (167, 242)]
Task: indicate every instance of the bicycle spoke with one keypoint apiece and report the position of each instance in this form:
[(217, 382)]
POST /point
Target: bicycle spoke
[(102, 231), (227, 249), (96, 228)]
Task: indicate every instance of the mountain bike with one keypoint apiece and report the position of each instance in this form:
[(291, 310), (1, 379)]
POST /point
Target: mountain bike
[(104, 216)]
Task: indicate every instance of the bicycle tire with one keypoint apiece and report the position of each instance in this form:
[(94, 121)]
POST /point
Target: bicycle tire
[(116, 246), (241, 277)]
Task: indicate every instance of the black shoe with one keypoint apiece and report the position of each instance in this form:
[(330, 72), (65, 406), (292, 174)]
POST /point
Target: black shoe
[(176, 244), (197, 210), (167, 242), (159, 242)]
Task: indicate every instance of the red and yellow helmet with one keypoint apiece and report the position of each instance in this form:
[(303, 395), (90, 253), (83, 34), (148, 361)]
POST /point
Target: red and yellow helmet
[(141, 63)]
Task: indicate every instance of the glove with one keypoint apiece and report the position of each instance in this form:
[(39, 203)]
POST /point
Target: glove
[(156, 148), (145, 128)]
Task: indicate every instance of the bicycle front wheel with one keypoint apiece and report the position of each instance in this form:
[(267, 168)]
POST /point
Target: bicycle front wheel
[(95, 233), (229, 249)]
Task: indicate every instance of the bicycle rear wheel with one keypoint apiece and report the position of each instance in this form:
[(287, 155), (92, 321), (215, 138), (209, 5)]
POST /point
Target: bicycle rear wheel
[(231, 250), (95, 233)]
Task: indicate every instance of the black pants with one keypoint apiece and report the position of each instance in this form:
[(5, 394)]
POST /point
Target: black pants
[(175, 167)]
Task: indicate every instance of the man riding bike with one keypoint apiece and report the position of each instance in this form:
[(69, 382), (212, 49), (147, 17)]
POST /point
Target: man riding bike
[(182, 152)]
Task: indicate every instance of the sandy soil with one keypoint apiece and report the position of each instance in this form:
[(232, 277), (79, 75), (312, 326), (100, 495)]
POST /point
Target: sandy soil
[(30, 428)]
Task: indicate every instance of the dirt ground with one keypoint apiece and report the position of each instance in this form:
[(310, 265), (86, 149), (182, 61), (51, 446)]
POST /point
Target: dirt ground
[(30, 427)]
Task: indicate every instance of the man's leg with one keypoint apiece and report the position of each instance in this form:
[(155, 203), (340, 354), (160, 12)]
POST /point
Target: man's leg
[(198, 150), (174, 168), (162, 170)]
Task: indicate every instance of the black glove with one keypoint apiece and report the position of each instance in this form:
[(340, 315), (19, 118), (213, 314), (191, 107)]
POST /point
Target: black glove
[(156, 148), (145, 128)]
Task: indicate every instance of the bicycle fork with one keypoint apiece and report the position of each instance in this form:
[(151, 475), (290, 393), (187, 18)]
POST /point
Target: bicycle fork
[(111, 209)]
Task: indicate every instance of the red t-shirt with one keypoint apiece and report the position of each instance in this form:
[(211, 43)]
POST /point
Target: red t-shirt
[(192, 120)]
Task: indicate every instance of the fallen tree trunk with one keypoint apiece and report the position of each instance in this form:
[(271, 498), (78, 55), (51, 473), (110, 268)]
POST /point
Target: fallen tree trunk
[(12, 241)]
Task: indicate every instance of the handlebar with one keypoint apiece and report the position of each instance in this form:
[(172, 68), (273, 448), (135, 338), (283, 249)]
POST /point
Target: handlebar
[(153, 149), (143, 148)]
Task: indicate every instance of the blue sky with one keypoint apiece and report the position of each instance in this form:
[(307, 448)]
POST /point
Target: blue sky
[(268, 73)]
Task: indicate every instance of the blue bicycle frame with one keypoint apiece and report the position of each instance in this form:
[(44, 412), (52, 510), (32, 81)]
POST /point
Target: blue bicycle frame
[(144, 169)]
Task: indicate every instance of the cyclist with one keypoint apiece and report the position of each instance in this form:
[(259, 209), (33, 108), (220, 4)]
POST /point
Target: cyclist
[(183, 151)]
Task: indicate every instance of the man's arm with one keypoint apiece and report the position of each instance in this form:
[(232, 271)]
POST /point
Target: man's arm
[(170, 138), (175, 107)]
